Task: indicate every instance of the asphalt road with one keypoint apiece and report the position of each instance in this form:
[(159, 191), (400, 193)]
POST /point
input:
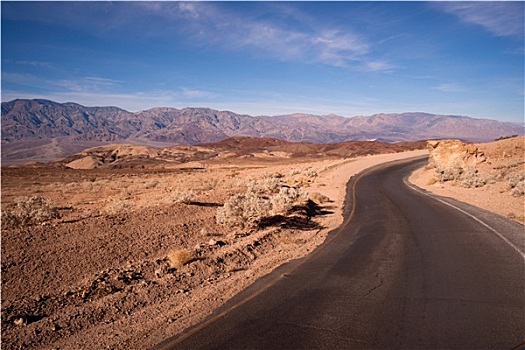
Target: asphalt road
[(404, 271)]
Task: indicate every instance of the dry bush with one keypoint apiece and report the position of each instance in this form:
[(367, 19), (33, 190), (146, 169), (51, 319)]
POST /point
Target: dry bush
[(249, 208), (151, 184), (284, 200), (209, 185), (318, 197), (516, 184), (265, 196), (177, 258), (243, 210), (269, 183), (472, 179), (465, 178), (183, 196), (308, 172), (117, 207), (448, 174), (29, 211)]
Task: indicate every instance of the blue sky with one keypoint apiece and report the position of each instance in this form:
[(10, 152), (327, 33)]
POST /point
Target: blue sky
[(270, 58)]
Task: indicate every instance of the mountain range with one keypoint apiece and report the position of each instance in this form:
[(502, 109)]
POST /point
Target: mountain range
[(44, 130)]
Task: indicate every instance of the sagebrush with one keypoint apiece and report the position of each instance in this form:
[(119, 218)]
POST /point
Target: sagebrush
[(247, 209), (29, 211), (177, 258)]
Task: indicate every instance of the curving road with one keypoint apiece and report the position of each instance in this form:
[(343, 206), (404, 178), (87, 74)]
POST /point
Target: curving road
[(404, 271)]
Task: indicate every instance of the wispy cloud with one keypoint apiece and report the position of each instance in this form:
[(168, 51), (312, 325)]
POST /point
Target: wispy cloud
[(194, 93), (503, 18), (131, 101), (450, 87), (78, 84), (87, 84), (311, 43), (39, 64), (377, 65), (287, 33)]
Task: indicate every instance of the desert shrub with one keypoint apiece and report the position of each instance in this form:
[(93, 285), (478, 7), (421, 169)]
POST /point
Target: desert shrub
[(249, 208), (264, 196), (243, 210), (472, 180), (269, 183), (117, 207), (467, 178), (183, 196), (448, 174), (310, 172), (29, 211), (209, 185), (284, 200), (151, 184), (516, 184), (177, 258)]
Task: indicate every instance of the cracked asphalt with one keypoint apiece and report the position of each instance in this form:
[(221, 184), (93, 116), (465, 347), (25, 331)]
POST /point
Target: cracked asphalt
[(404, 271)]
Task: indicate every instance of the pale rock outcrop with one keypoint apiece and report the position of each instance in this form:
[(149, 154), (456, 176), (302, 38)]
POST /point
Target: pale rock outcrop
[(455, 160)]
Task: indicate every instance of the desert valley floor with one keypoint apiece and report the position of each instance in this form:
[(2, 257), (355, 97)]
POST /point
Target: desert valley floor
[(125, 257)]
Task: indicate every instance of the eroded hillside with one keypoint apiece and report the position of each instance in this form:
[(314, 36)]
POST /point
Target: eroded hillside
[(229, 151)]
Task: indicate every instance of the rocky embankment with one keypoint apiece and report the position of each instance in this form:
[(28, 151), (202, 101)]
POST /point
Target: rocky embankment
[(488, 175)]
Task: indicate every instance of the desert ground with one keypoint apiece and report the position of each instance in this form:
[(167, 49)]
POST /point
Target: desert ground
[(124, 257)]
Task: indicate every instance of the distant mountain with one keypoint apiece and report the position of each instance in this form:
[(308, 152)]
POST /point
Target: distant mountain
[(44, 130)]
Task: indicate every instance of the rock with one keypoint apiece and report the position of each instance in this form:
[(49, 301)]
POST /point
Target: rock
[(218, 243), (452, 158), (20, 322)]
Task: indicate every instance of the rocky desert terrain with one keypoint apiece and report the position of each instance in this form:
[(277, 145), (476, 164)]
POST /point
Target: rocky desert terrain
[(488, 175), (119, 247)]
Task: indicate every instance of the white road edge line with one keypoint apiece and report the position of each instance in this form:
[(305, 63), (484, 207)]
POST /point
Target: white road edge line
[(470, 215)]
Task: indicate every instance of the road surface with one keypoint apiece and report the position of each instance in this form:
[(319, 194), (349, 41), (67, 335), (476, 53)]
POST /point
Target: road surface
[(404, 271)]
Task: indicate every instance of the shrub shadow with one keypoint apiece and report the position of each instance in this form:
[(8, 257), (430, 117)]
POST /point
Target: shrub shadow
[(299, 217), (203, 204)]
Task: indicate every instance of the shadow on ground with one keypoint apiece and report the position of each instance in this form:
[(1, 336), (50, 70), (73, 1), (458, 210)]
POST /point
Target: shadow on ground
[(299, 217)]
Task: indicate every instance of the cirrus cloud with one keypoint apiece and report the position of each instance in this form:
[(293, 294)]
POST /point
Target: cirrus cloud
[(209, 24), (503, 18)]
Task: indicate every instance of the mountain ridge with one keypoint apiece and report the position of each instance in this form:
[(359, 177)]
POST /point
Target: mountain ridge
[(71, 127)]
